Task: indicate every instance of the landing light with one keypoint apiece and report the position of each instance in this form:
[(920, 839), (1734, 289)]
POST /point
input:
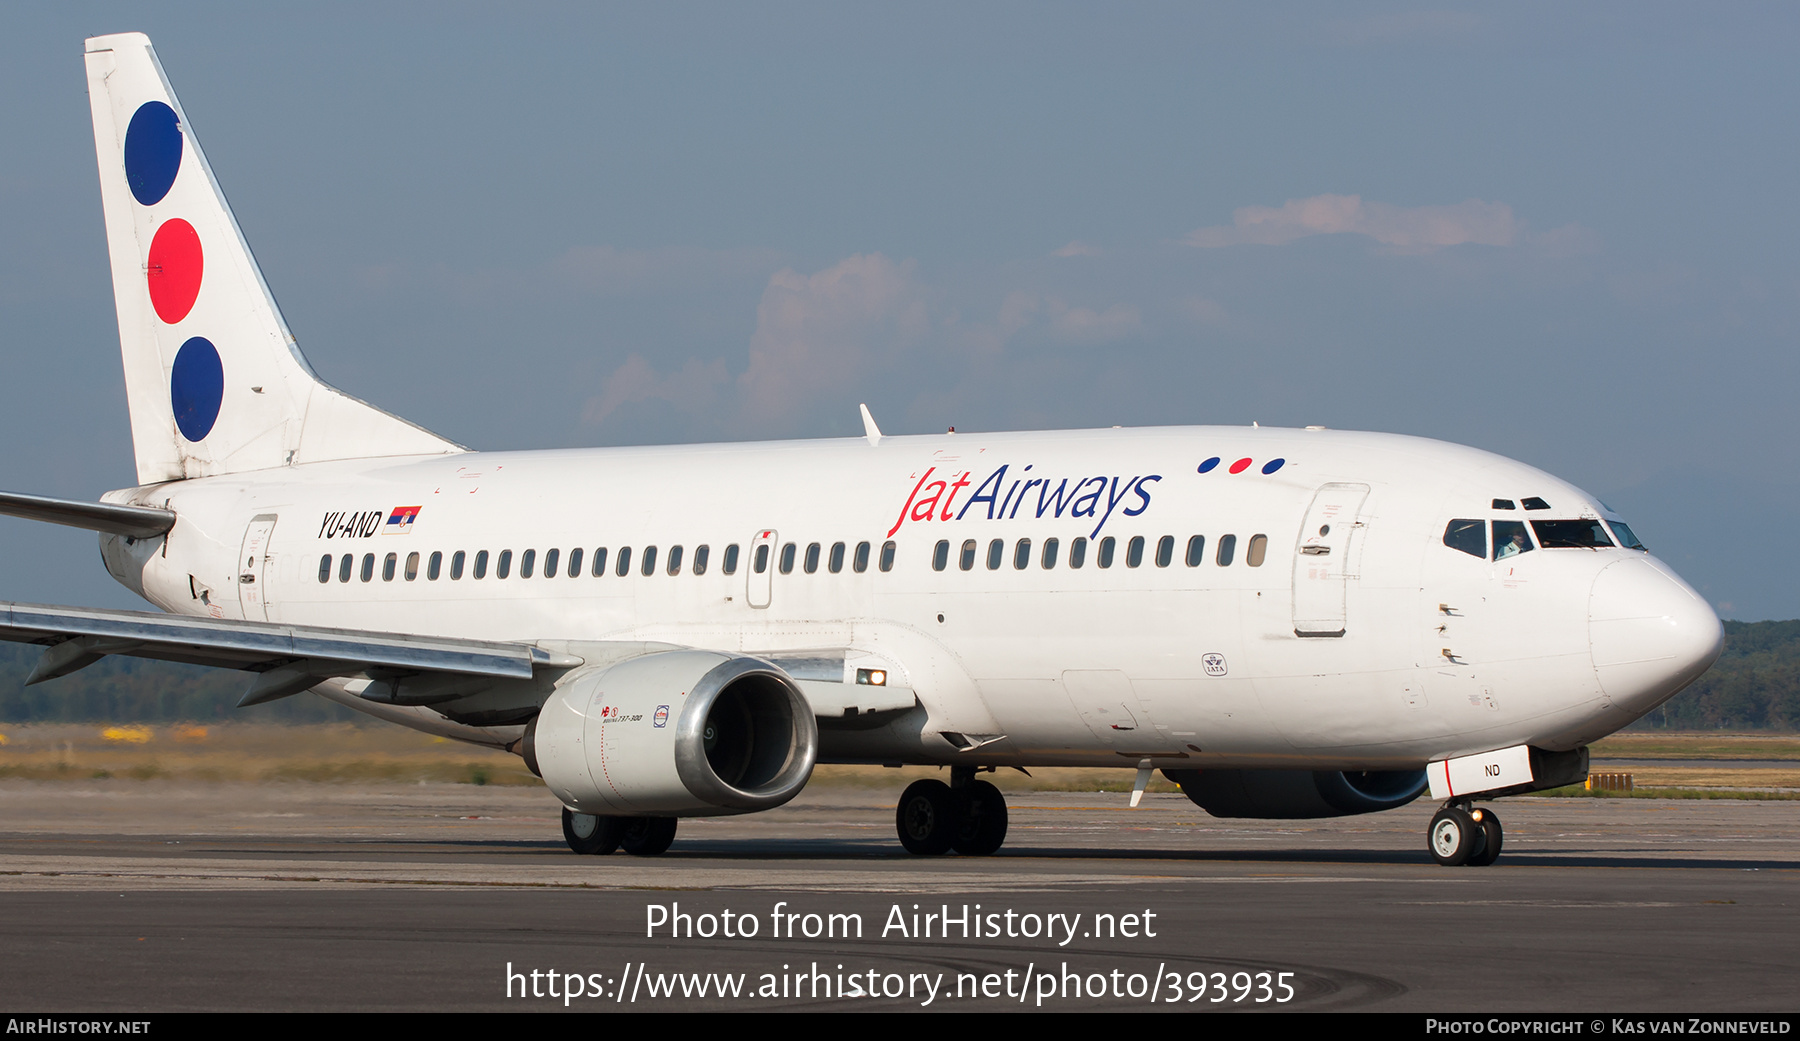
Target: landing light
[(871, 677)]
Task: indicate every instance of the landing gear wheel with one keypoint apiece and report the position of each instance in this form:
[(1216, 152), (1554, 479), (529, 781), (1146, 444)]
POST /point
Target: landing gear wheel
[(983, 825), (647, 836), (590, 835), (1454, 837), (927, 818), (1489, 822)]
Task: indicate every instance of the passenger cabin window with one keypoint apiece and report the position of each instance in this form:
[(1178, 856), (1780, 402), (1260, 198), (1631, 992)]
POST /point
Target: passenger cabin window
[(527, 563), (762, 558), (344, 568), (1227, 550), (412, 566), (1078, 552), (622, 562), (1134, 551), (1022, 555), (674, 565), (836, 563), (1048, 559), (1510, 539), (599, 567), (481, 562), (387, 566), (788, 552), (575, 562), (434, 566), (368, 566), (1626, 538), (860, 562), (701, 552), (731, 557), (649, 566), (1259, 550), (1165, 551), (887, 556), (1196, 551), (1467, 535), (1571, 534), (967, 560), (325, 568), (1107, 545), (996, 554), (503, 566), (940, 557), (552, 557), (812, 558), (456, 565)]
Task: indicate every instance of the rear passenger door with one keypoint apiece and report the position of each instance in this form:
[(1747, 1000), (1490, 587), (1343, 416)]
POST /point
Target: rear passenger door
[(762, 567)]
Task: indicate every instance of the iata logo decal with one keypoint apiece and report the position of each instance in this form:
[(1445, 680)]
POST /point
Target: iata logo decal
[(935, 495)]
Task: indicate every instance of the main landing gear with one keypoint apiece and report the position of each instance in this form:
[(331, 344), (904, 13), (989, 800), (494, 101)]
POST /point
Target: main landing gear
[(966, 815), (1461, 835), (598, 836)]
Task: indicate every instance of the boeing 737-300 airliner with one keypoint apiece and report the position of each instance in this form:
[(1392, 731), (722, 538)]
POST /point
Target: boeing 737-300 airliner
[(1287, 623)]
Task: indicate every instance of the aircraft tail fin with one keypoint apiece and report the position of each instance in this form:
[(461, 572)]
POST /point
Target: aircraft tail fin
[(213, 377)]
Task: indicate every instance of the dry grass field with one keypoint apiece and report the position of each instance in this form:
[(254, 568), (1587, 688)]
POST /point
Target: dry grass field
[(347, 752)]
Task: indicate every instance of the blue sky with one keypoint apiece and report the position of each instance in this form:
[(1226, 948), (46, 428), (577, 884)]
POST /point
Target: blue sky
[(1565, 233)]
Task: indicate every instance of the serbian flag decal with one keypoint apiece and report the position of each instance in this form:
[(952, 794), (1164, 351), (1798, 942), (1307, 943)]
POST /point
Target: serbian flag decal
[(400, 521)]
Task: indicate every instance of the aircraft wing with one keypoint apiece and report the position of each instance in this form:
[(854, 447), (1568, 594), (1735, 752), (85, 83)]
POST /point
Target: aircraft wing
[(288, 658)]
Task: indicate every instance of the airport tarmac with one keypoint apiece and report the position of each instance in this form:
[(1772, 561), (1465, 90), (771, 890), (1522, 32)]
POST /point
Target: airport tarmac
[(183, 895)]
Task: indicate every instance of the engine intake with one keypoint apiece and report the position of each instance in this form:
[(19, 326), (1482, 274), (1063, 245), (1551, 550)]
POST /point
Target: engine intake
[(675, 733), (1298, 793)]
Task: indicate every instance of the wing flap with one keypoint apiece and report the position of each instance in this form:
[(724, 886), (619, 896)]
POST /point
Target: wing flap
[(79, 636)]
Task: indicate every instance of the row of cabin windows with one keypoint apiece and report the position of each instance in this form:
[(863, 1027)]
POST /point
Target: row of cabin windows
[(1106, 551), (553, 562)]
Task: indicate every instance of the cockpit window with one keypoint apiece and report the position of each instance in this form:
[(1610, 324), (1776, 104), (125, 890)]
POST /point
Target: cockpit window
[(1470, 536), (1504, 504), (1535, 503), (1571, 534), (1510, 539), (1626, 538)]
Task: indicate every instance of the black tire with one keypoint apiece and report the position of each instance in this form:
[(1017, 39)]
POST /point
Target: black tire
[(1454, 837), (983, 827), (647, 836), (927, 818), (590, 835), (1492, 832)]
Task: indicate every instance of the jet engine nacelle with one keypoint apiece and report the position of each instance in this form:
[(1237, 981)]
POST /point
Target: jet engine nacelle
[(675, 733), (1298, 793)]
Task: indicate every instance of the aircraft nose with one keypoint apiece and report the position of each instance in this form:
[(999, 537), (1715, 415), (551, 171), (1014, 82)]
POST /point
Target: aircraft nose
[(1649, 632)]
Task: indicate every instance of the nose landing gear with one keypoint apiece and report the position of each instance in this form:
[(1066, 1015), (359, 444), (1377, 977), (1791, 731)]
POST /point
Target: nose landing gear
[(1459, 835), (966, 815)]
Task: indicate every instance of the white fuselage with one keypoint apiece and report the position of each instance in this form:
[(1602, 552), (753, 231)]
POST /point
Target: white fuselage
[(1373, 646)]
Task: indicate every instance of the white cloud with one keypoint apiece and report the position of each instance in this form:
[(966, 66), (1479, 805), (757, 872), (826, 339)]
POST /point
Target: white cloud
[(1077, 249), (1415, 229), (693, 389)]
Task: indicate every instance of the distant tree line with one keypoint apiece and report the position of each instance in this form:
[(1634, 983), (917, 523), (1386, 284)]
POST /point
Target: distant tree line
[(119, 689), (1755, 686)]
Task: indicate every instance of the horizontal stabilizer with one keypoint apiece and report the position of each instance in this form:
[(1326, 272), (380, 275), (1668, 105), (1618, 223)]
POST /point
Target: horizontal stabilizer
[(138, 522)]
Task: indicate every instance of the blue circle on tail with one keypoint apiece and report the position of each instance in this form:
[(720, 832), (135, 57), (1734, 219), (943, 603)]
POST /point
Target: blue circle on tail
[(152, 151), (196, 387)]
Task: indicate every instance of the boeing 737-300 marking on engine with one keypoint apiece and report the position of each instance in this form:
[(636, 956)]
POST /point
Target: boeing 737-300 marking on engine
[(1288, 623)]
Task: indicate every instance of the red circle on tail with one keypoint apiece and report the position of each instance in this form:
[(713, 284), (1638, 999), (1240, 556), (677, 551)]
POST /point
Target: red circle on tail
[(174, 270)]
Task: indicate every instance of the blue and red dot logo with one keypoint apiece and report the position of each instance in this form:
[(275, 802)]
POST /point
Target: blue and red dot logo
[(1241, 465), (175, 267)]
